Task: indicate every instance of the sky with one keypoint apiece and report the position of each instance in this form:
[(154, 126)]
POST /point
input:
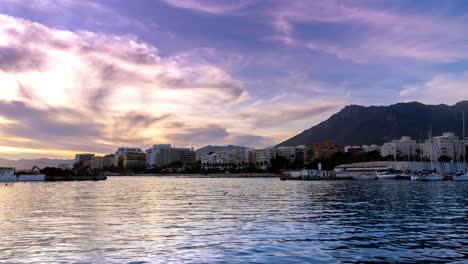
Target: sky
[(90, 76)]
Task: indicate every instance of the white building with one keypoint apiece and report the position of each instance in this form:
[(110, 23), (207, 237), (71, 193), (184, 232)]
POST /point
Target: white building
[(164, 154), (371, 148), (400, 147), (446, 145), (238, 158), (264, 156)]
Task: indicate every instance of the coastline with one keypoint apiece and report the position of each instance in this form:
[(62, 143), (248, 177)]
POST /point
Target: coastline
[(214, 175)]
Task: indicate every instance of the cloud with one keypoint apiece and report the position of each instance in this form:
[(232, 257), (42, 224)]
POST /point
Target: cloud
[(442, 88), (371, 34), (86, 11), (210, 6), (209, 133), (64, 89)]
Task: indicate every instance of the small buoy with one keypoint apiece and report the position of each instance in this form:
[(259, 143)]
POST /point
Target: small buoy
[(225, 193), (190, 203)]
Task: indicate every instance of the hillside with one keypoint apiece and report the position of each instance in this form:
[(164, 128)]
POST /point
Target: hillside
[(358, 125)]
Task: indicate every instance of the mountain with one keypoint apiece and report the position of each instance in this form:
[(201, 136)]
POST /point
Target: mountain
[(360, 125), (210, 148), (27, 164)]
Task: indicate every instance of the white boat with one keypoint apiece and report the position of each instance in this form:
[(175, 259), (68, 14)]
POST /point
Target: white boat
[(31, 177), (7, 175), (432, 177), (463, 177), (386, 175), (366, 176), (415, 177)]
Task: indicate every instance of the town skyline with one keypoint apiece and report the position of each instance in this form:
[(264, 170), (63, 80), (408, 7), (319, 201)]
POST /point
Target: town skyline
[(90, 75)]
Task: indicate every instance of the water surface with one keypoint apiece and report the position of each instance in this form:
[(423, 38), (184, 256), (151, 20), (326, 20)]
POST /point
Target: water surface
[(194, 220)]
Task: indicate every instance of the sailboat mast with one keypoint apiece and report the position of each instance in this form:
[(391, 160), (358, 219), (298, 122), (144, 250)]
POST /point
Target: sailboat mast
[(464, 144), (432, 148)]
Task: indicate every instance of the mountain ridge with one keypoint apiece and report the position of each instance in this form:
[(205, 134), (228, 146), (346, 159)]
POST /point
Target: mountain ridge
[(363, 125)]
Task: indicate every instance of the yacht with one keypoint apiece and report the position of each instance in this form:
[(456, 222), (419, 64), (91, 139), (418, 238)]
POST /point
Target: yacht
[(432, 177), (387, 175), (462, 177), (7, 175)]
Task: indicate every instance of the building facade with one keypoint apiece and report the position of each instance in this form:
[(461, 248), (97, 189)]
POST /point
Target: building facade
[(129, 158), (239, 158), (264, 156), (97, 163), (400, 147), (164, 154), (447, 145), (84, 160), (322, 150)]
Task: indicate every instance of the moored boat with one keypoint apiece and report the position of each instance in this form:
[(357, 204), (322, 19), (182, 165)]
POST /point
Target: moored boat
[(432, 177), (366, 176), (387, 175), (463, 177), (7, 175)]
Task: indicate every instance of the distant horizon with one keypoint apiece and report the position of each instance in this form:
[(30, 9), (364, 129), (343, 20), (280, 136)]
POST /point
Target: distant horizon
[(32, 156), (91, 75)]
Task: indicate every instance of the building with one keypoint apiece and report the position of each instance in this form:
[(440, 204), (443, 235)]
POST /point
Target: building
[(84, 159), (108, 161), (447, 145), (264, 156), (404, 147), (355, 151), (295, 155), (322, 150), (238, 158), (134, 160), (129, 158), (97, 163), (371, 148), (164, 154)]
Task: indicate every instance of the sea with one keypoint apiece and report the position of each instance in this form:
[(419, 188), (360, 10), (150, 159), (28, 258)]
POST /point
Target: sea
[(233, 220)]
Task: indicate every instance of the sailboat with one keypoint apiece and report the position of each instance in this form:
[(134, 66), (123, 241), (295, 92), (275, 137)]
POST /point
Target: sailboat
[(433, 176), (463, 176)]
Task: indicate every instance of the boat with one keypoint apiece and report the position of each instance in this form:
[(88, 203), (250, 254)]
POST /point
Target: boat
[(387, 175), (33, 175), (7, 175), (366, 176), (432, 177), (415, 177), (463, 177)]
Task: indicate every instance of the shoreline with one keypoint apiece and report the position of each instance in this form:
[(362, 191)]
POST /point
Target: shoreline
[(215, 175)]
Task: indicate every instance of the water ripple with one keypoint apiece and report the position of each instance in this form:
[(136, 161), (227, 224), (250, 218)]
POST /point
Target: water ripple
[(183, 220)]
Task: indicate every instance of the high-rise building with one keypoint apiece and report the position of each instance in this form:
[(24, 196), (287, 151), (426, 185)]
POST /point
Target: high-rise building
[(264, 156), (447, 145), (400, 147), (84, 159), (108, 161), (129, 158), (165, 154), (97, 163)]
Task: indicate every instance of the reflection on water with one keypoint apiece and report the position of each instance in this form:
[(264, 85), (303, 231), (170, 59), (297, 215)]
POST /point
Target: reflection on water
[(233, 220)]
